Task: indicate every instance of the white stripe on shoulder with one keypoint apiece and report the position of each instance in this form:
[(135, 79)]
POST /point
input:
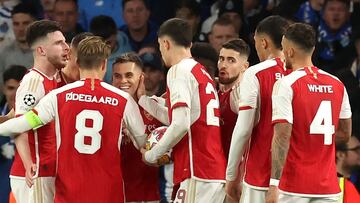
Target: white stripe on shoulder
[(326, 73), (114, 89), (69, 86), (183, 68), (262, 66), (32, 79), (294, 76)]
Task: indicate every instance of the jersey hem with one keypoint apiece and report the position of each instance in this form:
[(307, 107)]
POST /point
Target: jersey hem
[(280, 121), (255, 187), (241, 108), (309, 195), (208, 180)]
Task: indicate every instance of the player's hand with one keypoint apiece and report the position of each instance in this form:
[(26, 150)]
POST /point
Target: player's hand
[(143, 151), (233, 190), (29, 174), (141, 88), (272, 195)]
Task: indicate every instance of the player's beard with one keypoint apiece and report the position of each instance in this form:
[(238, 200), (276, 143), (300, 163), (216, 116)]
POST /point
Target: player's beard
[(226, 81), (57, 62)]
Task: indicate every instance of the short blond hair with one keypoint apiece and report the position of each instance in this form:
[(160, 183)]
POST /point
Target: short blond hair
[(91, 52)]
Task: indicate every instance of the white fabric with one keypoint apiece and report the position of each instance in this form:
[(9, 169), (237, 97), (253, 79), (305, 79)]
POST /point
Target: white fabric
[(194, 191), (235, 98), (285, 198), (249, 88), (31, 84), (134, 122), (345, 111), (155, 106), (43, 190), (241, 135), (282, 101), (179, 126), (252, 195), (7, 128)]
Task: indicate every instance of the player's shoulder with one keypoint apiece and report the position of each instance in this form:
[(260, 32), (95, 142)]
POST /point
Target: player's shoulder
[(115, 91), (264, 65), (292, 77), (183, 68), (32, 77), (333, 77)]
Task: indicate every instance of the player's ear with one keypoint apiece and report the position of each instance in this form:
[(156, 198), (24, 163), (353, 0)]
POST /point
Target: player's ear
[(40, 50), (264, 43)]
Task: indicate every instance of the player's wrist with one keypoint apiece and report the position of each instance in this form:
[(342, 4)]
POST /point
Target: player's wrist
[(274, 182)]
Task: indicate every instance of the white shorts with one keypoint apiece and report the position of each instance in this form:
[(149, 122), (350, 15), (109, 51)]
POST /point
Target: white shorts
[(285, 198), (250, 195), (194, 191), (42, 191)]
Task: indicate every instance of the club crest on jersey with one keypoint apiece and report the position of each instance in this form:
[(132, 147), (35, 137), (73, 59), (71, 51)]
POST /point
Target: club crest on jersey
[(91, 99), (29, 100)]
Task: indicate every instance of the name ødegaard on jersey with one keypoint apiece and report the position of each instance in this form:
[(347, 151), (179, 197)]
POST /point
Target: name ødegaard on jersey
[(91, 99)]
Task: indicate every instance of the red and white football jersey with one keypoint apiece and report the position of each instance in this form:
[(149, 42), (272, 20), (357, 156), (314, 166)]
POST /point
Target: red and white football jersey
[(199, 154), (255, 93), (312, 101), (33, 87), (137, 175), (229, 108), (88, 117)]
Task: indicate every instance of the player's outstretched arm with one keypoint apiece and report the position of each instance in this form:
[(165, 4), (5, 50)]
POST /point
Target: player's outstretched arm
[(154, 108), (240, 136), (15, 126), (179, 126), (134, 123)]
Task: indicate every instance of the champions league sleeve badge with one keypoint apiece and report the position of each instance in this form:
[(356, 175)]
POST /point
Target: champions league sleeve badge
[(29, 100)]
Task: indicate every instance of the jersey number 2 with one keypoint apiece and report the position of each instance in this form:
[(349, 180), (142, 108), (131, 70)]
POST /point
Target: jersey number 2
[(322, 123), (91, 132), (211, 118)]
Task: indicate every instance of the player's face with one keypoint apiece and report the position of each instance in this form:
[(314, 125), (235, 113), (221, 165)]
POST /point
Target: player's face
[(57, 49), (20, 22), (9, 91), (126, 76), (231, 65), (286, 50)]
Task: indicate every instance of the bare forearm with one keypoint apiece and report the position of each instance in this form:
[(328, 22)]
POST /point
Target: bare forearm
[(23, 148), (279, 149)]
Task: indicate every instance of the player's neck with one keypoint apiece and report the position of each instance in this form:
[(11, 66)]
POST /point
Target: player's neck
[(179, 54), (90, 74), (275, 53), (302, 62), (45, 67), (69, 75)]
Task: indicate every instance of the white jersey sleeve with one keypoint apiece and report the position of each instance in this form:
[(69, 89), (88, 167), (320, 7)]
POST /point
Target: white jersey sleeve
[(134, 122), (345, 111), (155, 106), (282, 102), (179, 84), (249, 88), (47, 108), (29, 93), (235, 98)]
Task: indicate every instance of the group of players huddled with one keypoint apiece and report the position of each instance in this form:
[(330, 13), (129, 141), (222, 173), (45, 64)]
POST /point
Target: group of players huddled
[(265, 133)]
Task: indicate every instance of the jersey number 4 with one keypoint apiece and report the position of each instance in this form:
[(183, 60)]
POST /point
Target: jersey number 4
[(322, 123), (91, 132)]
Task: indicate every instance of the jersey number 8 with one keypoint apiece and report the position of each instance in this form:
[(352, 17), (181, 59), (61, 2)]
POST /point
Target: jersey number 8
[(92, 132)]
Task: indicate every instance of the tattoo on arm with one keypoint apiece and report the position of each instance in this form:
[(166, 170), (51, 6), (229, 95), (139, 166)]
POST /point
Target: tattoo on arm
[(280, 147)]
